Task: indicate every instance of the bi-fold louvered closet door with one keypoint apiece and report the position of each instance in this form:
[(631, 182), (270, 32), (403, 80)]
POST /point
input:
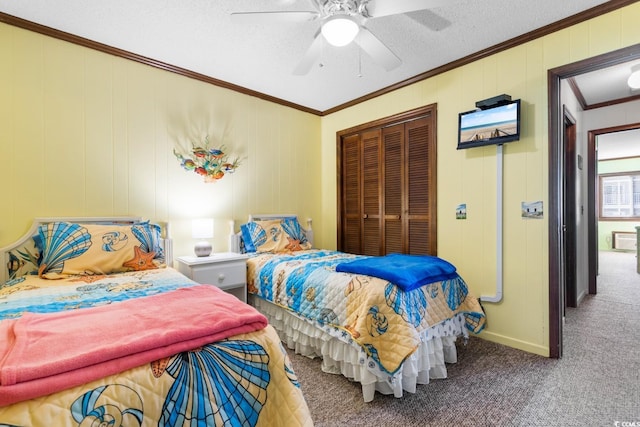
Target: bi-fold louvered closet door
[(387, 185)]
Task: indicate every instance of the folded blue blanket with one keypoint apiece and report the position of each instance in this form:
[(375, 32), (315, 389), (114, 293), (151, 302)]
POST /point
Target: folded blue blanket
[(406, 271)]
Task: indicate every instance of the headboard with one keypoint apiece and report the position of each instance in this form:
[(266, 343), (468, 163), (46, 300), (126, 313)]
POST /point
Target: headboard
[(19, 254), (235, 238)]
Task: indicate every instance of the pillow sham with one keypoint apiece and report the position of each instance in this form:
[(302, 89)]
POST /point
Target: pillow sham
[(277, 235), (246, 243), (23, 260), (72, 248), (292, 227)]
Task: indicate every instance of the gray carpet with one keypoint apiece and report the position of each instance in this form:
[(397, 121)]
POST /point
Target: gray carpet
[(596, 383)]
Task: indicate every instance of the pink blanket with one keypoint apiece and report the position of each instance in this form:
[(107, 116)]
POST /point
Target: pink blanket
[(44, 353)]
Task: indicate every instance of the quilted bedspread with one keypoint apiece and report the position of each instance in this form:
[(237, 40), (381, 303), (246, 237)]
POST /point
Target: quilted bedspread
[(380, 317), (244, 379), (35, 295)]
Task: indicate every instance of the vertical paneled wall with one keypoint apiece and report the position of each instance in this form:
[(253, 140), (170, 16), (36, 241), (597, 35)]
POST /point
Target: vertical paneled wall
[(83, 133), (469, 176)]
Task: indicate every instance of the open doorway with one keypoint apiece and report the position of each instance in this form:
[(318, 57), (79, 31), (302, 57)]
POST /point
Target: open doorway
[(557, 203), (616, 152)]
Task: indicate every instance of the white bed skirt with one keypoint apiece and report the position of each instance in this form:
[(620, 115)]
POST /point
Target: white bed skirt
[(343, 356)]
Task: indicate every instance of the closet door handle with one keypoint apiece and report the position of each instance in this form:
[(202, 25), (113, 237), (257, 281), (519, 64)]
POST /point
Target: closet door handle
[(365, 216)]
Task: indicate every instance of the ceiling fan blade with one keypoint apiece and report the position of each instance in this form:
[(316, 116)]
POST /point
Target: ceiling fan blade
[(310, 56), (282, 16), (377, 50), (378, 8)]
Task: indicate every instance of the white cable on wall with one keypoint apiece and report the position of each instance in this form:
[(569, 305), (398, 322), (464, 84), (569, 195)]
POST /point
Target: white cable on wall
[(499, 196)]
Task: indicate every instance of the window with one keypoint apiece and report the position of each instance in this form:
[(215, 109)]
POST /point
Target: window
[(620, 196)]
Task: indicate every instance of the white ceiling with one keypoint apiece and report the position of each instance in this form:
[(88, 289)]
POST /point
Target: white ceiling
[(607, 84), (619, 145), (200, 36)]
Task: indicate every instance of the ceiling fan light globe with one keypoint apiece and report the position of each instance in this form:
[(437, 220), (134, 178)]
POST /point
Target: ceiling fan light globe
[(634, 78), (340, 30)]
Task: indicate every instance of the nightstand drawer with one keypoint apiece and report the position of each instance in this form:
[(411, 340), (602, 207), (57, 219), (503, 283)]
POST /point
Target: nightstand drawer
[(225, 270), (222, 276)]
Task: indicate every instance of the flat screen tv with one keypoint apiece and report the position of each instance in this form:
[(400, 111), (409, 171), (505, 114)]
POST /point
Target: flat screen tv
[(491, 126)]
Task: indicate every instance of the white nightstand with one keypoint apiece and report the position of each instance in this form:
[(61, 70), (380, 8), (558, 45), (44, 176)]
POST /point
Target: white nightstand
[(226, 270)]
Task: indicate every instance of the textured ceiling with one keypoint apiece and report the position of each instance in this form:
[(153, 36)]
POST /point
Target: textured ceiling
[(201, 36)]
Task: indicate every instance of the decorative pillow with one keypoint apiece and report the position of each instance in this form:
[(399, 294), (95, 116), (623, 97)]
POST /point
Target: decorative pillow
[(278, 235), (242, 247), (246, 242), (23, 260), (70, 248), (292, 227)]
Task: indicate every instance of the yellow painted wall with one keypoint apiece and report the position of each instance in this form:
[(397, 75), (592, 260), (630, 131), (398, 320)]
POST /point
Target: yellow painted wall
[(83, 133), (469, 176)]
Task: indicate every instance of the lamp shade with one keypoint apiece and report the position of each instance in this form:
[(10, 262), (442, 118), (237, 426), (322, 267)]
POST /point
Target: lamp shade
[(340, 30), (634, 78), (202, 229)]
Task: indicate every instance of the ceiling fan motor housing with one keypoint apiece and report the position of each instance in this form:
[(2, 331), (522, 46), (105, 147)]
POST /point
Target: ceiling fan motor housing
[(343, 7)]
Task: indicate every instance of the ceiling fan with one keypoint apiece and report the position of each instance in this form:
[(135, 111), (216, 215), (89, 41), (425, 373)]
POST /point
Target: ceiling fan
[(343, 22)]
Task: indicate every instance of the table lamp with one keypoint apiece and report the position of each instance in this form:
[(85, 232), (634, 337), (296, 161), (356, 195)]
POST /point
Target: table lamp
[(202, 229)]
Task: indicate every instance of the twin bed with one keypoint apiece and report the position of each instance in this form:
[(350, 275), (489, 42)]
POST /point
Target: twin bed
[(149, 347), (389, 323), (152, 347)]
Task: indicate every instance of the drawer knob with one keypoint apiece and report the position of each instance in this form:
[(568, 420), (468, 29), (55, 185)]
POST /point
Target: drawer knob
[(221, 277)]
